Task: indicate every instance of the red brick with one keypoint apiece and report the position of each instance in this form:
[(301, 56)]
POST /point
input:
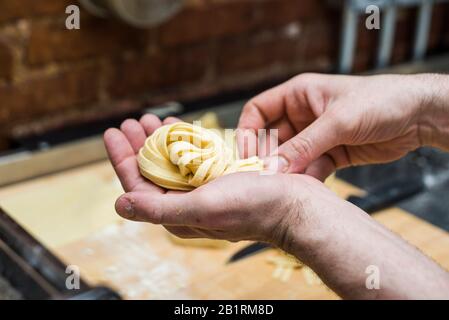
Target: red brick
[(4, 143), (316, 42), (13, 9), (224, 18), (280, 12), (48, 94), (73, 117), (140, 75), (52, 42), (204, 22), (6, 60), (402, 52), (363, 61), (244, 54), (366, 39), (439, 23), (320, 38)]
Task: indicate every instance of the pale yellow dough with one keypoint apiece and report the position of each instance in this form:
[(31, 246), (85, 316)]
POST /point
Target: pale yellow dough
[(183, 156)]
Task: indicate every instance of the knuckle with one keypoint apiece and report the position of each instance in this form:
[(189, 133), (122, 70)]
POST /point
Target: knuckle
[(301, 148), (150, 211), (249, 112), (340, 121), (307, 77), (200, 197), (206, 200), (249, 106)]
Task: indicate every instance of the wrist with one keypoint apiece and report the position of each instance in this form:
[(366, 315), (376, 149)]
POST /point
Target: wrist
[(306, 224), (433, 118)]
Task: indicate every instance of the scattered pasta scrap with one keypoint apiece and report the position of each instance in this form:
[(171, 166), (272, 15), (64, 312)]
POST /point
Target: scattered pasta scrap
[(210, 121), (285, 264)]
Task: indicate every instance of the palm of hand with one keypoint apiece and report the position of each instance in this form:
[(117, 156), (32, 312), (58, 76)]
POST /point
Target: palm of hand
[(224, 208)]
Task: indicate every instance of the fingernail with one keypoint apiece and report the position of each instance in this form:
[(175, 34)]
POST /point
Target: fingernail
[(125, 208), (276, 164)]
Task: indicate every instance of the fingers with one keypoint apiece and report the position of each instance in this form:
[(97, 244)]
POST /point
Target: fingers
[(247, 143), (122, 157), (134, 132), (150, 123), (265, 108), (319, 137), (258, 113), (321, 168), (122, 146), (170, 120), (267, 142), (329, 162), (137, 131), (285, 129)]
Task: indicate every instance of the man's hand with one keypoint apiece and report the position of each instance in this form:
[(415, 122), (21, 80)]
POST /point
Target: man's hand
[(241, 206), (327, 122), (294, 212)]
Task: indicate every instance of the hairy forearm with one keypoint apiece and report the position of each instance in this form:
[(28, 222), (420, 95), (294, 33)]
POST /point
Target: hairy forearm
[(347, 245), (434, 110)]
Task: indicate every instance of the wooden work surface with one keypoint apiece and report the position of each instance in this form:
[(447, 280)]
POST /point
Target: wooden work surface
[(72, 213)]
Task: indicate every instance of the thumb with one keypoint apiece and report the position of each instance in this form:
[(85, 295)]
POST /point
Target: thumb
[(294, 155), (166, 209)]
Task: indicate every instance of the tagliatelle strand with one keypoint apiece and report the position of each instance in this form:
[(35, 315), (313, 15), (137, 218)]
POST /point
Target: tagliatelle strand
[(183, 156)]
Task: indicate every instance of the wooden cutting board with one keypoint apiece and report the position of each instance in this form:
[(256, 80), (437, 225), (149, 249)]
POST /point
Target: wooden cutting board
[(72, 213)]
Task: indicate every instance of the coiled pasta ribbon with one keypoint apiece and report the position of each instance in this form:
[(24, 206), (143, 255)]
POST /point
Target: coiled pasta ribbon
[(183, 156)]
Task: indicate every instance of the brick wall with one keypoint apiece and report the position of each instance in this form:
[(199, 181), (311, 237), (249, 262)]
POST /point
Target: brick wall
[(50, 76)]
